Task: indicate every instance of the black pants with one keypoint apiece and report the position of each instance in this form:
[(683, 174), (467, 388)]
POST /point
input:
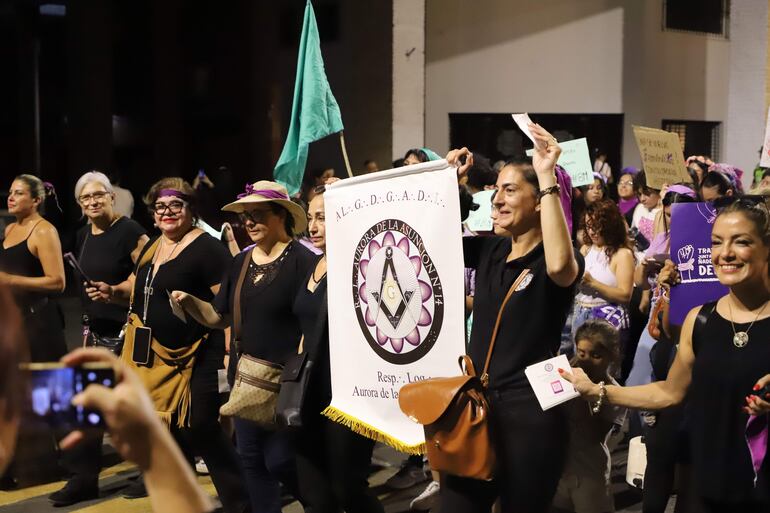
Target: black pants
[(333, 468), (667, 449), (531, 447), (205, 437), (84, 461)]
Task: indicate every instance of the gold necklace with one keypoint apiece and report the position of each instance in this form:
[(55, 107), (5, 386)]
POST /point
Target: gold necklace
[(741, 338)]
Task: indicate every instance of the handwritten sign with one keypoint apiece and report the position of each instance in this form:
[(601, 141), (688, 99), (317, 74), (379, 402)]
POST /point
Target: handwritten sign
[(662, 157), (480, 220), (575, 160), (764, 161)]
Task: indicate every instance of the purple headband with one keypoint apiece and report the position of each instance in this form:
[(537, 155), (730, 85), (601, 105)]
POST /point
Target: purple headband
[(732, 174), (265, 193), (629, 170), (173, 192), (681, 189), (601, 177)]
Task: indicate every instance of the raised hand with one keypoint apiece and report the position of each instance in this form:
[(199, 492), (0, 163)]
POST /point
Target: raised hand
[(453, 158), (546, 151)]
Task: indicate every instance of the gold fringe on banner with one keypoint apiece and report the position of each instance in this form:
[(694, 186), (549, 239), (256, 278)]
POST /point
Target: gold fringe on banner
[(364, 429)]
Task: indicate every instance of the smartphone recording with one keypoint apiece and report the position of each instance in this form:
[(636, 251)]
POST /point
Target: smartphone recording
[(52, 387)]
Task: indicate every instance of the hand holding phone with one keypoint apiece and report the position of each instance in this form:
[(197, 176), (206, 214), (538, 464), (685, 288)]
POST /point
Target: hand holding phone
[(53, 386), (73, 262), (126, 408)]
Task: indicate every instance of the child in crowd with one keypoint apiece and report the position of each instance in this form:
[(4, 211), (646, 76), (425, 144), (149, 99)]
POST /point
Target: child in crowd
[(585, 484)]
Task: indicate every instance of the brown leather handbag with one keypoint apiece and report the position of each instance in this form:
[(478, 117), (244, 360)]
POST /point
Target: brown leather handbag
[(659, 316), (454, 412)]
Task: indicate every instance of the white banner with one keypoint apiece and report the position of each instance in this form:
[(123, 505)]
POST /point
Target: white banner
[(396, 294)]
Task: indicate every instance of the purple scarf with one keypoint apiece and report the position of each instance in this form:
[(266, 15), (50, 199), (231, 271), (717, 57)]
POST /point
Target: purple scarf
[(756, 439), (627, 204)]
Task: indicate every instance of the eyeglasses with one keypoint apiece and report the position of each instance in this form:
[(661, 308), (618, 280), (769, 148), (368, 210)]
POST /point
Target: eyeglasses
[(254, 216), (174, 207), (85, 199), (629, 183)]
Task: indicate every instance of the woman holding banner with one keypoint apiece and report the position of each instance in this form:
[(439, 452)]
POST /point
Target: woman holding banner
[(332, 461), (722, 362), (532, 247)]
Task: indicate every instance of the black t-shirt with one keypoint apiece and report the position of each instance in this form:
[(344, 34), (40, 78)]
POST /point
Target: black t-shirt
[(194, 270), (269, 329), (107, 257), (307, 308), (530, 328)]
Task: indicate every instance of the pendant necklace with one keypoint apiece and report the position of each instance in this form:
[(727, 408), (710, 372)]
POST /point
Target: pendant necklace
[(741, 338)]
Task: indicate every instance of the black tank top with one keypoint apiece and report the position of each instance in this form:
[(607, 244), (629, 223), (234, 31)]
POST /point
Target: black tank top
[(723, 375), (19, 260)]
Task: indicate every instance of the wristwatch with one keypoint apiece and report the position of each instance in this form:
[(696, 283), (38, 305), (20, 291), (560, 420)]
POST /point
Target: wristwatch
[(554, 189)]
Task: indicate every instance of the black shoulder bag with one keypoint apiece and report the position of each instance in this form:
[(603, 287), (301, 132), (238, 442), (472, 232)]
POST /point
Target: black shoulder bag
[(290, 410)]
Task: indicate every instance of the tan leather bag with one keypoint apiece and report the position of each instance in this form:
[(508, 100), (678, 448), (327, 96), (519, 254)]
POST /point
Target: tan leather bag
[(454, 412), (257, 382)]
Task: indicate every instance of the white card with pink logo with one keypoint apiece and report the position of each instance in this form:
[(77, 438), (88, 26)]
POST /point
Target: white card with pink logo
[(549, 387)]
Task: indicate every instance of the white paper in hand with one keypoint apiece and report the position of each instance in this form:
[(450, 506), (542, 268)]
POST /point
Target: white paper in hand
[(176, 309), (522, 121), (549, 387)]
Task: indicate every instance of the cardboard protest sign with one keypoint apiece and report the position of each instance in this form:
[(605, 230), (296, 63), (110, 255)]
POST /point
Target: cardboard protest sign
[(480, 220), (575, 160), (764, 161), (691, 225), (662, 157)]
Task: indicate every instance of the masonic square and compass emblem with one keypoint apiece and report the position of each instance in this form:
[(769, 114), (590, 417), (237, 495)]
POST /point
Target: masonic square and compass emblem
[(397, 292)]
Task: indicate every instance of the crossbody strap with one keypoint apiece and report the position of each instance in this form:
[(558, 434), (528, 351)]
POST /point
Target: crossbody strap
[(146, 257), (516, 283), (237, 301)]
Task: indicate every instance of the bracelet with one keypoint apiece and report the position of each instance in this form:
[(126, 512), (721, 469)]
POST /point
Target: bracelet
[(602, 394), (554, 189)]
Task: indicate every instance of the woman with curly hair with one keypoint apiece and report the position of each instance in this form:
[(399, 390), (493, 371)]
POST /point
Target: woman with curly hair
[(609, 276)]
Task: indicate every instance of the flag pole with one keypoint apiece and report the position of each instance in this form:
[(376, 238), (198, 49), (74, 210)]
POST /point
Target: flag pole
[(345, 153)]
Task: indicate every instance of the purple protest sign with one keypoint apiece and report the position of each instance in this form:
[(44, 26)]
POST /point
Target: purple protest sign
[(691, 251)]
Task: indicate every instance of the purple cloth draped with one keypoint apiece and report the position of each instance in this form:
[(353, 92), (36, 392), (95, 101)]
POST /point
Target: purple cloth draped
[(756, 439), (565, 195), (627, 204)]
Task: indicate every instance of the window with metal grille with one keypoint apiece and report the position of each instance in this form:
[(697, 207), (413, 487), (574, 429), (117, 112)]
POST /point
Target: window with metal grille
[(697, 137), (702, 16)]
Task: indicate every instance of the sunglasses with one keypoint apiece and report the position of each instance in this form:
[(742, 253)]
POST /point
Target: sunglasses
[(254, 216)]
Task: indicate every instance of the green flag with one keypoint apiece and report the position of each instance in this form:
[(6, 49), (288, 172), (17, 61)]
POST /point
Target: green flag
[(314, 111)]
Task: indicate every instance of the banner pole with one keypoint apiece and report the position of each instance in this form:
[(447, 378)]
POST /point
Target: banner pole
[(345, 153)]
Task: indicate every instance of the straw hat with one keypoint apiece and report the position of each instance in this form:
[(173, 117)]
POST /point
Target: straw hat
[(265, 191)]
